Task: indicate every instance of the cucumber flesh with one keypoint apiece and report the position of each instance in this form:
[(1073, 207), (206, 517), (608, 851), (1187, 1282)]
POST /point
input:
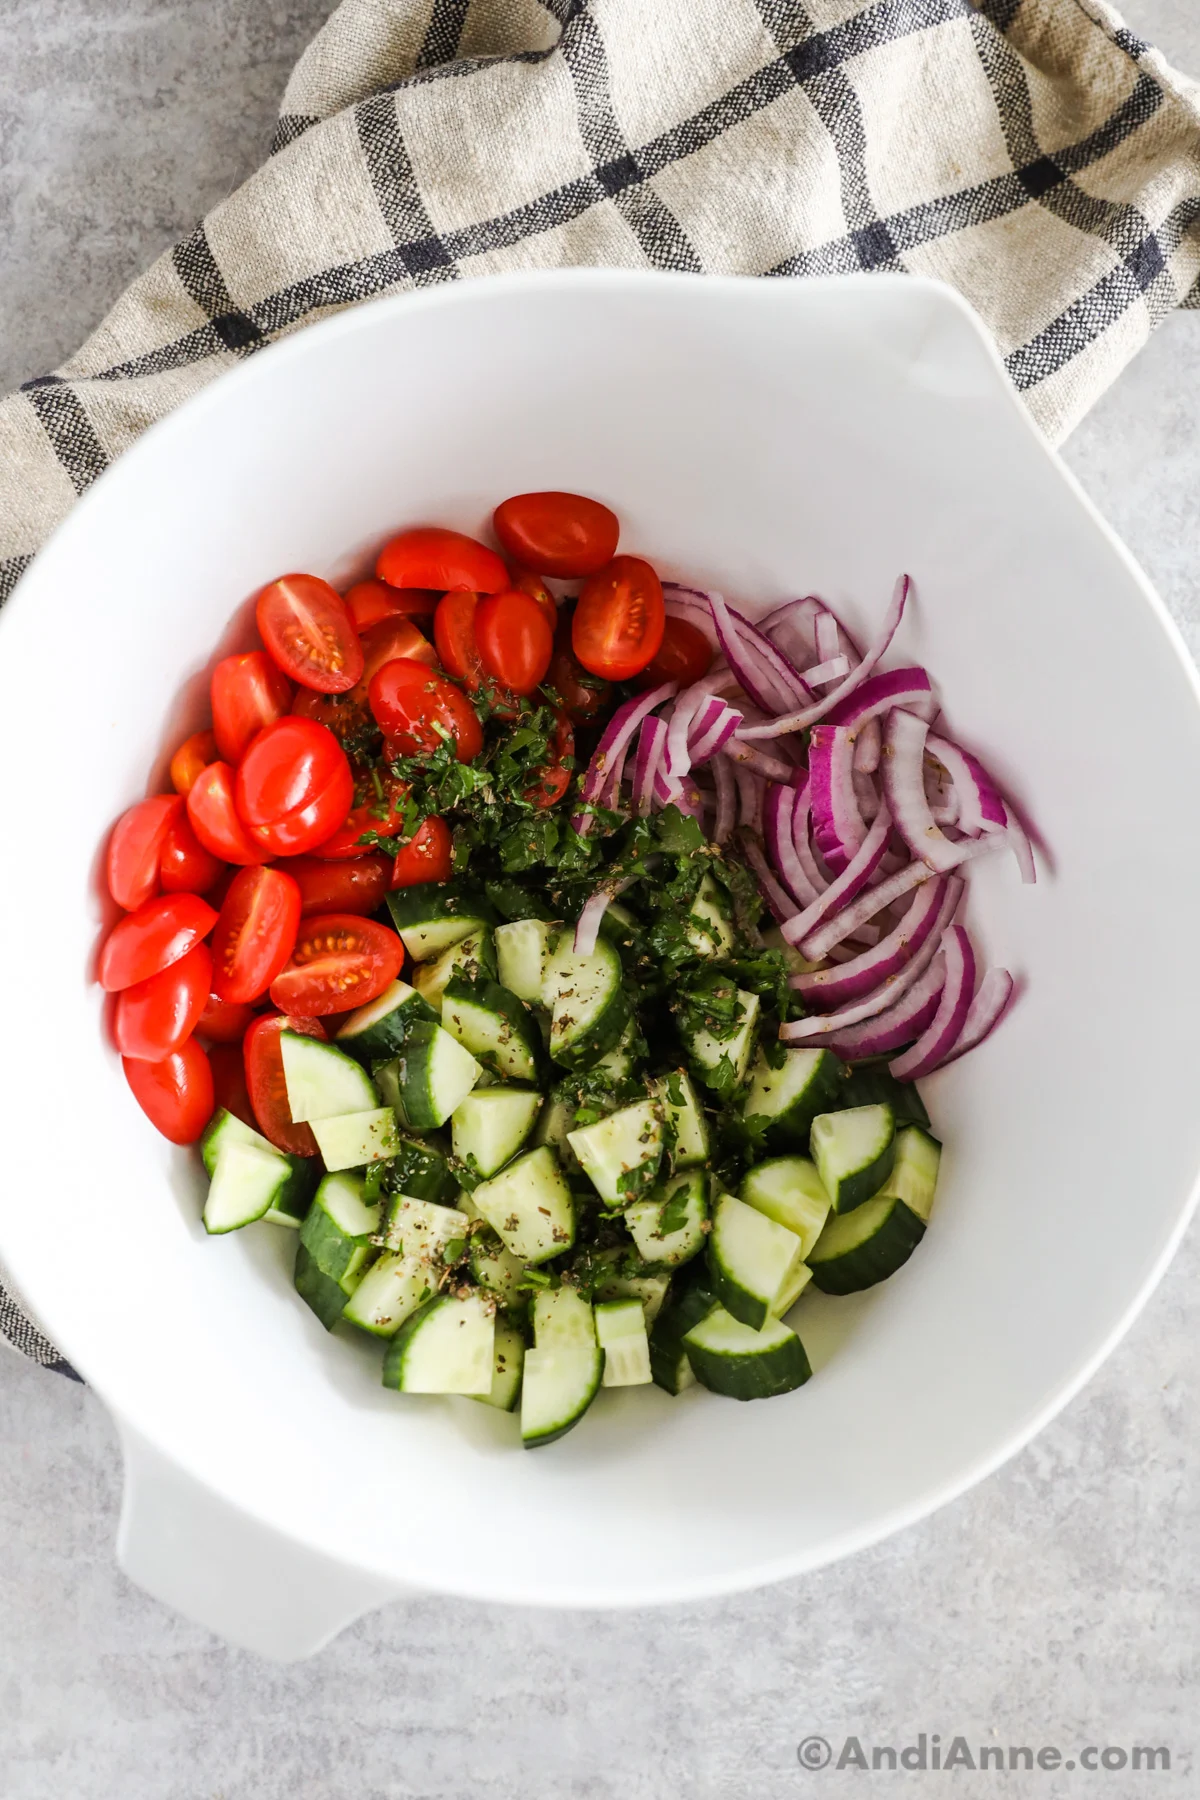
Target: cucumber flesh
[(495, 1268), (246, 1183), (322, 1081), (434, 915), (587, 1002), (380, 1028), (557, 1387), (340, 1225), (446, 1347), (858, 1249), (854, 1151), (291, 1202), (684, 1202), (709, 929), (473, 957), (433, 1075), (621, 1154), (493, 1025), (391, 1291), (751, 1260), (508, 1360), (490, 1125), (621, 1334), (729, 1358), (562, 1319), (423, 1228), (788, 1098), (523, 949), (721, 1063), (685, 1118), (356, 1139), (530, 1207), (789, 1190), (226, 1128)]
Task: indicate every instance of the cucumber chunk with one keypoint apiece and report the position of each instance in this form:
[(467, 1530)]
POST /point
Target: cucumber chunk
[(380, 1028), (355, 1139), (446, 1347), (621, 1334), (291, 1202), (562, 1319), (490, 1125), (617, 1063), (789, 1190), (530, 1206), (721, 1063), (433, 1075), (475, 956), (508, 1360), (495, 1268), (669, 1364), (422, 1228), (854, 1152), (729, 1358), (685, 1118), (872, 1083), (322, 1081), (493, 1025), (709, 930), (751, 1260), (631, 1281), (669, 1228), (858, 1249), (226, 1128), (419, 1168), (791, 1291), (587, 1002), (434, 915), (391, 1291), (246, 1184), (523, 949), (557, 1387), (335, 1246), (789, 1098), (621, 1154)]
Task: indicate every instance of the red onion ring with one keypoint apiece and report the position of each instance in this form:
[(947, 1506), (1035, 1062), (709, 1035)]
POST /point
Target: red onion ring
[(946, 1026), (797, 721), (863, 974), (890, 990), (904, 787)]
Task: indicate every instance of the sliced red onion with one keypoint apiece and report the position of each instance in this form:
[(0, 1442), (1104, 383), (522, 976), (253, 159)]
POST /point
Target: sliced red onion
[(838, 824), (904, 786), (897, 1025), (850, 921), (771, 768), (652, 745), (820, 674), (587, 928), (713, 726), (980, 804), (750, 798), (817, 880), (827, 637), (866, 794), (682, 793), (726, 800), (765, 673), (677, 761), (987, 1009), (852, 880), (850, 981), (778, 809), (890, 989), (616, 737), (779, 902), (945, 1028), (867, 743), (1022, 849), (791, 628), (797, 721)]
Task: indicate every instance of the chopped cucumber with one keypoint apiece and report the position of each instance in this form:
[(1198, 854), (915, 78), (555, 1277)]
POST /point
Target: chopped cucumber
[(686, 1122), (630, 1281), (710, 929), (854, 1151), (380, 1028), (508, 1359), (523, 948), (730, 1358), (423, 1228), (489, 1126), (475, 956), (669, 1363), (435, 915), (619, 927), (530, 1206), (858, 1249), (557, 1387), (246, 1184), (789, 1098), (562, 1318), (555, 1122), (495, 1268), (588, 1005), (433, 1075), (789, 1190), (322, 1081), (292, 1200), (419, 1168), (357, 1138), (751, 1260), (617, 1064), (391, 1291), (335, 1246), (872, 1083), (791, 1291), (446, 1347), (621, 1334), (669, 1228), (622, 1153), (226, 1128), (493, 1025), (721, 1063)]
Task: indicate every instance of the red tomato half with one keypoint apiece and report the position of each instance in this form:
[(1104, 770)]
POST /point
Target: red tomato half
[(526, 582), (515, 640), (429, 557), (368, 602), (248, 692), (554, 780), (619, 619), (409, 700), (186, 866), (155, 1017), (583, 695), (346, 715), (175, 1094), (214, 817), (152, 938), (254, 933), (307, 629), (557, 534), (454, 635), (294, 786), (371, 813), (135, 849), (428, 857), (685, 655), (393, 638), (191, 759), (222, 1022), (357, 886), (340, 961), (263, 1062), (229, 1082)]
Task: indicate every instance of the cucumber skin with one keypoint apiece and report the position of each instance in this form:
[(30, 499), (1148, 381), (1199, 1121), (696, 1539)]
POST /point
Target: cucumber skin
[(422, 1172), (426, 901), (869, 1084), (599, 1039), (756, 1377), (746, 1308), (323, 1293), (676, 1319), (789, 1130), (866, 1183), (417, 1109), (393, 1360), (491, 997), (382, 1041), (552, 1436), (868, 1264)]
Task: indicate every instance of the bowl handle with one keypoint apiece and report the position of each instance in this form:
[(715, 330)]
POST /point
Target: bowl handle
[(215, 1564)]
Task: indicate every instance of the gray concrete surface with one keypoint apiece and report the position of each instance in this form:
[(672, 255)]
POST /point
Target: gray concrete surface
[(1057, 1605)]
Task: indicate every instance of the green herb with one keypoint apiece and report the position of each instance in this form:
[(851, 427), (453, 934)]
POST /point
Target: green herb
[(674, 1215)]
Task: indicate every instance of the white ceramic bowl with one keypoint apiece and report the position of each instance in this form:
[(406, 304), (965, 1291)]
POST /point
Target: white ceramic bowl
[(769, 439)]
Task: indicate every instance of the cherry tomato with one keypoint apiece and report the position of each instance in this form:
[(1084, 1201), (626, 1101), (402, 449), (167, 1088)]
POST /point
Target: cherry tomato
[(429, 557), (393, 638), (213, 817), (557, 534), (428, 857), (254, 933), (340, 961), (294, 786), (526, 582), (186, 866), (191, 759), (229, 1083), (267, 1087), (409, 700), (685, 655), (619, 619), (155, 1017), (307, 629), (582, 694), (554, 779), (152, 938), (175, 1094), (372, 812), (223, 1022), (358, 886), (135, 849), (514, 639), (346, 715), (370, 601), (454, 635), (248, 692)]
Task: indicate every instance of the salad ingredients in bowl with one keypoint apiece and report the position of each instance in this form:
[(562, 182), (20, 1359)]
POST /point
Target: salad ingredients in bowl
[(559, 968)]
